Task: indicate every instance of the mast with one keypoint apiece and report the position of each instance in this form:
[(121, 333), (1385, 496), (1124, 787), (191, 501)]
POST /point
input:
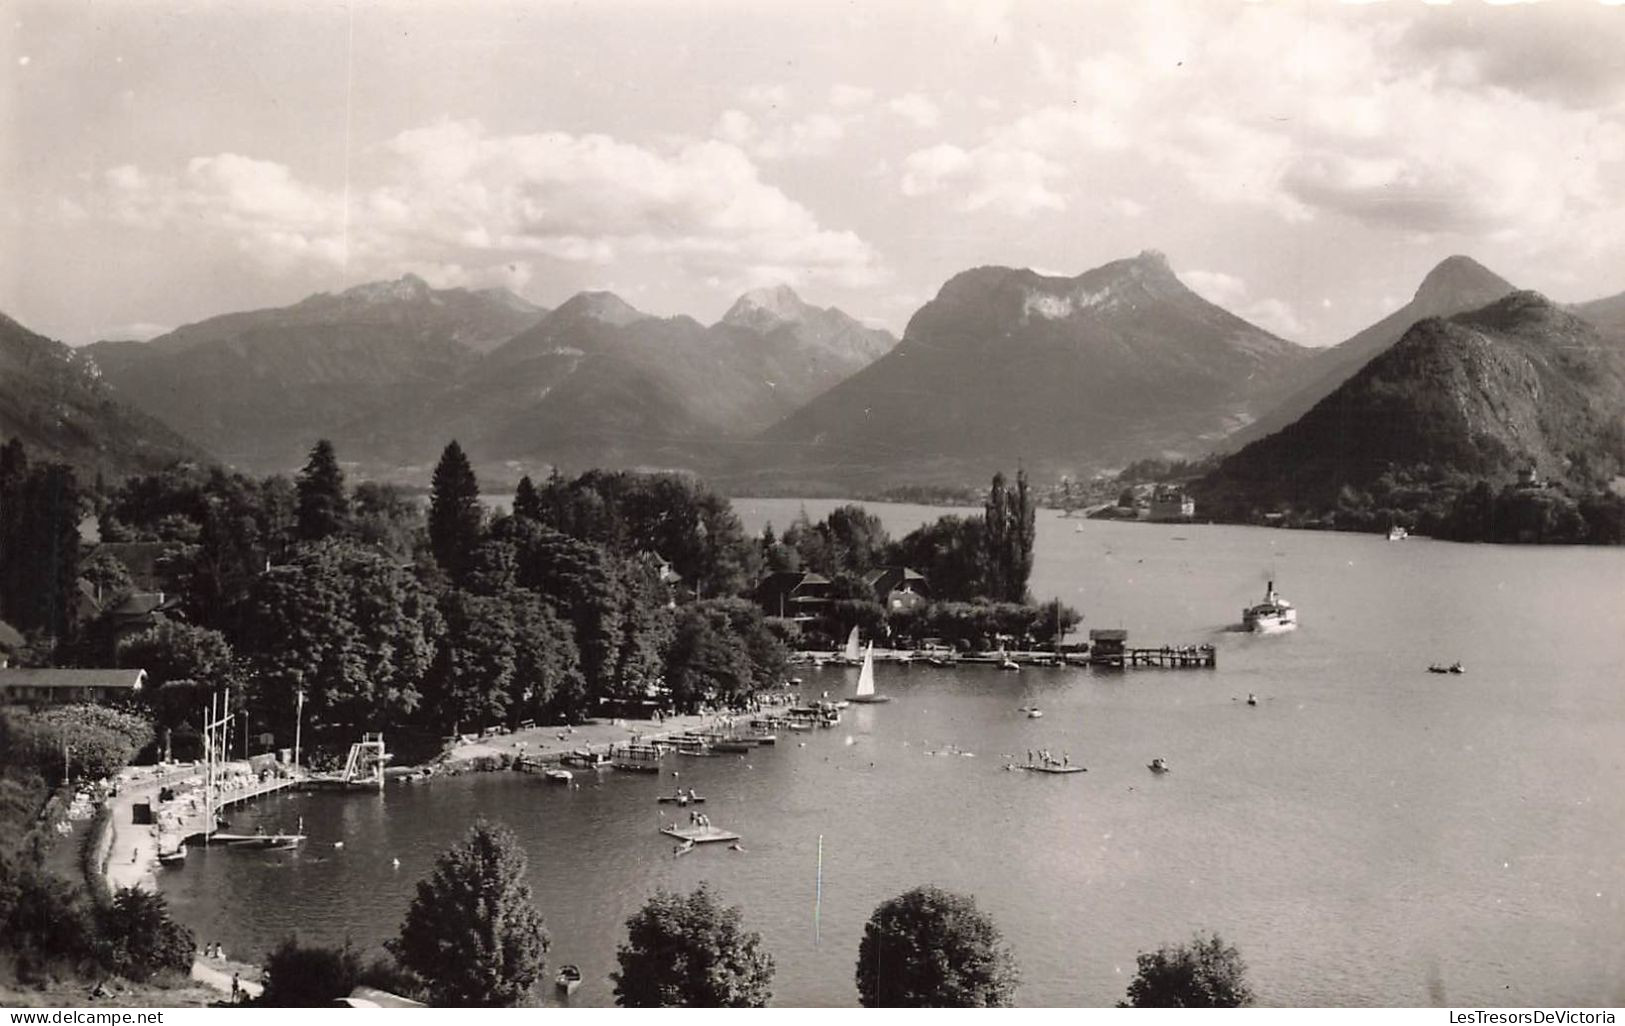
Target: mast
[(298, 722), (818, 899)]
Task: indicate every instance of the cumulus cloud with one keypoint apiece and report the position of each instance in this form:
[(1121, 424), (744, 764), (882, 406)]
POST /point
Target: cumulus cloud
[(843, 96), (1232, 293), (1427, 122), (1216, 287), (815, 135), (985, 21), (1274, 315), (270, 215), (1008, 181), (916, 108), (765, 95), (1573, 60), (468, 206)]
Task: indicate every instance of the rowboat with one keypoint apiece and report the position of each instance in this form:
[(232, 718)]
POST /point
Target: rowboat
[(568, 979)]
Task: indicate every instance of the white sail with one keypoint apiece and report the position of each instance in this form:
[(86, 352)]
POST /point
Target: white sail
[(852, 646), (866, 676)]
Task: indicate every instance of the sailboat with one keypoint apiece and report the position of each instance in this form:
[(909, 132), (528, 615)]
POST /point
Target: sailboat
[(850, 656), (866, 679)]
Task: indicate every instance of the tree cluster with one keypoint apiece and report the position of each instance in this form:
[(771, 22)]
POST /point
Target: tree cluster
[(472, 937), (98, 741), (382, 612), (40, 510), (969, 557), (981, 626)]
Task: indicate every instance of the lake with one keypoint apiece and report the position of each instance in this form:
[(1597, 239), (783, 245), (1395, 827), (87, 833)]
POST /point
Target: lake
[(1368, 834)]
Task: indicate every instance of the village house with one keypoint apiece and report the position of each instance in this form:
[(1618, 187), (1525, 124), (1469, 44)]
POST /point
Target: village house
[(140, 610), (37, 687), (793, 594), (898, 588), (1107, 644)]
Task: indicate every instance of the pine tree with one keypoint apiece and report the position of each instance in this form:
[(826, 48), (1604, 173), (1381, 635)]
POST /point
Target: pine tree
[(13, 479), (1024, 534), (42, 568), (455, 515), (471, 932), (527, 502), (996, 539), (324, 507), (1010, 523)]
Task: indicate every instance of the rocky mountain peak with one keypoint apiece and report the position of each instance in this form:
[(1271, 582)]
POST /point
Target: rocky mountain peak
[(765, 308), (1460, 283), (406, 288), (602, 306)]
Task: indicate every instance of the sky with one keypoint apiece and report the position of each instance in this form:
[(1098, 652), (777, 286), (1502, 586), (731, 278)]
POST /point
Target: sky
[(1302, 164)]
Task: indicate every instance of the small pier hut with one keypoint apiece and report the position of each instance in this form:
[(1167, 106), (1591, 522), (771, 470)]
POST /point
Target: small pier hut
[(1107, 645), (634, 758)]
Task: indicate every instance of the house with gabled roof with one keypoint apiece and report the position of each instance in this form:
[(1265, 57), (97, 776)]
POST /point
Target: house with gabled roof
[(898, 588), (793, 594), (52, 686)]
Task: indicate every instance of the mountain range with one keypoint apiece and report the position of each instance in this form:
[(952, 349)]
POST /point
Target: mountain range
[(1066, 374), (391, 370), (1520, 385), (53, 399)]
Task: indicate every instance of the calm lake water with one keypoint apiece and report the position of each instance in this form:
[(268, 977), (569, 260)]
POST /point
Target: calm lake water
[(1370, 833)]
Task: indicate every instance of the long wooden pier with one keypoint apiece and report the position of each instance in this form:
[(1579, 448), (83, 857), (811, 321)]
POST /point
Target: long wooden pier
[(1175, 657)]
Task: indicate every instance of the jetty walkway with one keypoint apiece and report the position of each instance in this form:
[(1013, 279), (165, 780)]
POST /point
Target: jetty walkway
[(173, 822), (1165, 656), (548, 746)]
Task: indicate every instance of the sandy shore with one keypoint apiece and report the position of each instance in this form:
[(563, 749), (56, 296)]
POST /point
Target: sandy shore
[(550, 743)]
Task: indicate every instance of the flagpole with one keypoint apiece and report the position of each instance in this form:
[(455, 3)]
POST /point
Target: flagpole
[(818, 901)]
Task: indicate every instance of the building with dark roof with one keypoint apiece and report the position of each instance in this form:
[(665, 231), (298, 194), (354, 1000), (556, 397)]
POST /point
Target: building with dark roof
[(898, 588), (139, 610), (793, 594), (66, 687)]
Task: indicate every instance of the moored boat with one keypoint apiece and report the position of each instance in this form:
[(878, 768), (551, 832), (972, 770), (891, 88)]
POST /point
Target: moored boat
[(1397, 533), (682, 798), (558, 776), (1158, 765), (568, 979), (1271, 615)]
